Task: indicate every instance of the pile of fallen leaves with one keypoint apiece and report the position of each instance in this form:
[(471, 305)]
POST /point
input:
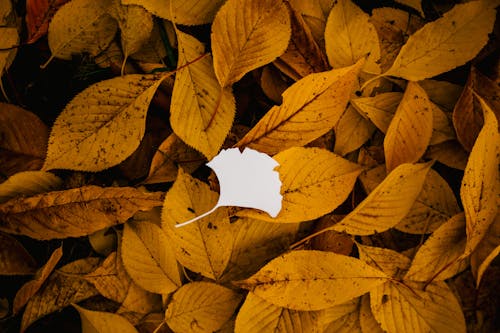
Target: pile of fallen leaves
[(384, 122)]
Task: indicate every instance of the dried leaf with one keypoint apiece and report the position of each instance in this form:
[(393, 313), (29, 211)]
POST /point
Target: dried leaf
[(187, 12), (393, 27), (405, 307), (246, 35), (205, 246), (9, 37), (480, 185), (149, 258), (380, 109), (442, 93), (273, 83), (367, 321), (410, 130), (314, 182), (487, 250), (438, 258), (38, 15), (73, 213), (450, 153), (342, 318), (349, 37), (14, 258), (171, 154), (103, 241), (28, 183), (202, 112), (258, 315), (102, 125), (442, 128), (388, 203), (446, 43), (331, 241), (30, 288), (201, 307), (81, 26), (303, 55), (388, 261), (311, 107), (24, 139), (64, 287), (315, 14), (299, 280), (103, 322), (255, 243), (351, 131)]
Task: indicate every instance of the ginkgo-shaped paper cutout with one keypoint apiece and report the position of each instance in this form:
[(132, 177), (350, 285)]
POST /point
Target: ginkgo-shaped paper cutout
[(246, 179)]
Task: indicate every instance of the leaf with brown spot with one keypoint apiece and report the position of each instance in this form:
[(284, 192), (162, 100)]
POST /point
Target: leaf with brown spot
[(74, 213)]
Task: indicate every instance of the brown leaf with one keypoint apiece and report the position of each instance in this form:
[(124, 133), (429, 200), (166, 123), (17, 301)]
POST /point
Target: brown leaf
[(14, 258), (303, 55), (64, 287), (23, 140), (450, 153), (31, 288), (75, 212), (38, 15)]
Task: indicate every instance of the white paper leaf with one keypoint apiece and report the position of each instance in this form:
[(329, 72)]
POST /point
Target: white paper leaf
[(247, 179)]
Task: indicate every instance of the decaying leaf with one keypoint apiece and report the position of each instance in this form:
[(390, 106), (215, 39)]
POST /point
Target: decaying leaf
[(188, 12), (64, 287), (311, 107), (103, 322), (298, 280), (14, 258), (410, 130), (38, 15), (388, 203), (446, 43), (30, 288), (81, 26), (28, 183), (258, 315), (314, 182), (149, 258), (439, 257), (247, 35), (201, 307), (205, 246), (201, 112), (480, 185), (73, 213), (405, 307), (24, 140), (102, 125)]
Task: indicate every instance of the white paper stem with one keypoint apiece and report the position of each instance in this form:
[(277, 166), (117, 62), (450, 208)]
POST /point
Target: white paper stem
[(197, 218)]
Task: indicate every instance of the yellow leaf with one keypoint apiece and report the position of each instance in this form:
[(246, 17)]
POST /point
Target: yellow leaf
[(487, 250), (28, 183), (186, 12), (24, 140), (388, 203), (136, 26), (201, 112), (14, 258), (30, 288), (480, 185), (258, 315), (351, 131), (64, 287), (102, 125), (300, 280), (201, 307), (379, 109), (446, 43), (9, 37), (442, 128), (342, 318), (401, 308), (255, 243), (311, 107), (314, 182), (438, 258), (149, 258), (367, 321), (349, 37), (75, 212), (81, 26), (205, 246), (315, 13), (388, 261), (103, 322), (247, 34), (410, 130), (171, 154)]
